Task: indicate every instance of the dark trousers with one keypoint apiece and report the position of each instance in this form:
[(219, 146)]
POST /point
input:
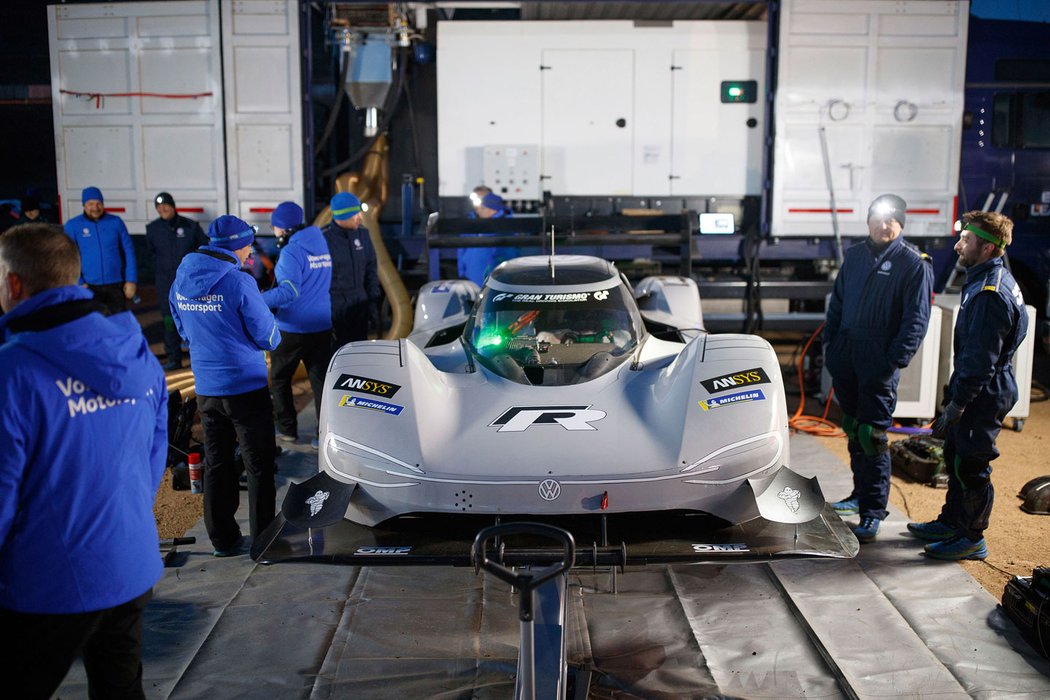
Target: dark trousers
[(111, 295), (349, 322), (39, 649), (969, 450), (866, 388), (245, 419), (172, 341), (314, 350)]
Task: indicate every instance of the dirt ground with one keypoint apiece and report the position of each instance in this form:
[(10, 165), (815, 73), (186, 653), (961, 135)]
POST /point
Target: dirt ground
[(1017, 541)]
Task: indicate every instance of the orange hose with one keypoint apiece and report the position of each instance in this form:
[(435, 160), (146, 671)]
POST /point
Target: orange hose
[(813, 425)]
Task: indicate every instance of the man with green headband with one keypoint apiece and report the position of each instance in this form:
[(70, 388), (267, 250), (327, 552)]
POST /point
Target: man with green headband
[(990, 327)]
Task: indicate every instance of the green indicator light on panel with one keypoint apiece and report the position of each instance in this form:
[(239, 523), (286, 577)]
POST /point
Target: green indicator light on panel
[(739, 91)]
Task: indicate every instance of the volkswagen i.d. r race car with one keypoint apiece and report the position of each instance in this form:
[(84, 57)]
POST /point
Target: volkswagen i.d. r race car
[(557, 390)]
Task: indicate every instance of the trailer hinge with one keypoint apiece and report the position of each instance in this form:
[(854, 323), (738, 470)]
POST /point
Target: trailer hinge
[(674, 177), (676, 68), (545, 67)]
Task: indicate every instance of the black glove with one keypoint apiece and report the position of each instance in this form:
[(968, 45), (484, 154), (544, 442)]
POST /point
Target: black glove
[(950, 416)]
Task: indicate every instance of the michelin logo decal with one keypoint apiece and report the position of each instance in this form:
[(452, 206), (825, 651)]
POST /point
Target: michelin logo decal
[(739, 397), (371, 404)]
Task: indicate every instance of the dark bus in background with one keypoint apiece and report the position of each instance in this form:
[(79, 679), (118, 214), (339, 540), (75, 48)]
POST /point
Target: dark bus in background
[(1005, 160)]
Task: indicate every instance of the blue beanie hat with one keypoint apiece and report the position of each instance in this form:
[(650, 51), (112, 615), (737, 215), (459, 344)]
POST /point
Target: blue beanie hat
[(90, 193), (287, 215), (345, 206), (493, 201), (230, 233)]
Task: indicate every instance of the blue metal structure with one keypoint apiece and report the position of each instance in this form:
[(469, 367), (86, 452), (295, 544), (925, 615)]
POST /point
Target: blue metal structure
[(1005, 162)]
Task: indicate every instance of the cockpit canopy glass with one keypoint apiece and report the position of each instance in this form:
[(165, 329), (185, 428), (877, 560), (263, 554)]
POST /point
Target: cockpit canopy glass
[(554, 338)]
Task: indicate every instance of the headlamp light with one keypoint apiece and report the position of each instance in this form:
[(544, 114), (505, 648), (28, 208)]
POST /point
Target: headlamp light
[(882, 208), (475, 199)]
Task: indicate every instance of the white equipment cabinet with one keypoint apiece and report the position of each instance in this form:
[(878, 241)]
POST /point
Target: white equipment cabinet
[(948, 304), (198, 98), (917, 392), (884, 80), (616, 108)]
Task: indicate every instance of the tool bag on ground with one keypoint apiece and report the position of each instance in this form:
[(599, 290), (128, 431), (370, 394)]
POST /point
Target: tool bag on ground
[(1026, 600), (920, 458)]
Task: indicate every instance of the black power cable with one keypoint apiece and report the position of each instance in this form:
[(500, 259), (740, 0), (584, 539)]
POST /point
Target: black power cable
[(333, 116), (388, 112)]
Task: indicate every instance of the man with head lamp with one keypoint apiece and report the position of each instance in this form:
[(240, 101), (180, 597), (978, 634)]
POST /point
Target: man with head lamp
[(982, 389), (302, 304), (220, 311), (355, 273), (876, 320), (475, 264)]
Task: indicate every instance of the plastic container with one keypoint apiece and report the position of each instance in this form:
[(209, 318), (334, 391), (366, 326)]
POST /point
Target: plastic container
[(196, 473)]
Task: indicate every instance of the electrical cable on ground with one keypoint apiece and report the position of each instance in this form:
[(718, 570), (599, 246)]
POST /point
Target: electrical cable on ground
[(813, 425)]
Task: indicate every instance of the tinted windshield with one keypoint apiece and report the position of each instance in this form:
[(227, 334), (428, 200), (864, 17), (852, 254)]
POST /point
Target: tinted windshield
[(554, 338)]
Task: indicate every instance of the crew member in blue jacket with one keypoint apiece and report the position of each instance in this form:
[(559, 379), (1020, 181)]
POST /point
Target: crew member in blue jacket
[(475, 264), (303, 307), (170, 237), (876, 320), (107, 257), (221, 312), (83, 434), (982, 389), (355, 278)]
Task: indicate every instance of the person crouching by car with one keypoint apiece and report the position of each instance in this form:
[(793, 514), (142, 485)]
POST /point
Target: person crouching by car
[(303, 307), (221, 312)]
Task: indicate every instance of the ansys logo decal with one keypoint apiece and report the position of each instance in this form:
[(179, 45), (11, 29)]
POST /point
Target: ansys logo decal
[(731, 381), (739, 397), (519, 418), (365, 385)]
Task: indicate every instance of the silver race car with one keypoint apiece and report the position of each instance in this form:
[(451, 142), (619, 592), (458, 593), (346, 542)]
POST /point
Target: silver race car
[(557, 390)]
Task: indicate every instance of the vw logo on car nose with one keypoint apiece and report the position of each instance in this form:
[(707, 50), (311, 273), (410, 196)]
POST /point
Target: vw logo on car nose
[(549, 489)]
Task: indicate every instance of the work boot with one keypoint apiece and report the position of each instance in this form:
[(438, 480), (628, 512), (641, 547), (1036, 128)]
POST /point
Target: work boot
[(847, 506), (868, 529), (933, 531), (957, 548)]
